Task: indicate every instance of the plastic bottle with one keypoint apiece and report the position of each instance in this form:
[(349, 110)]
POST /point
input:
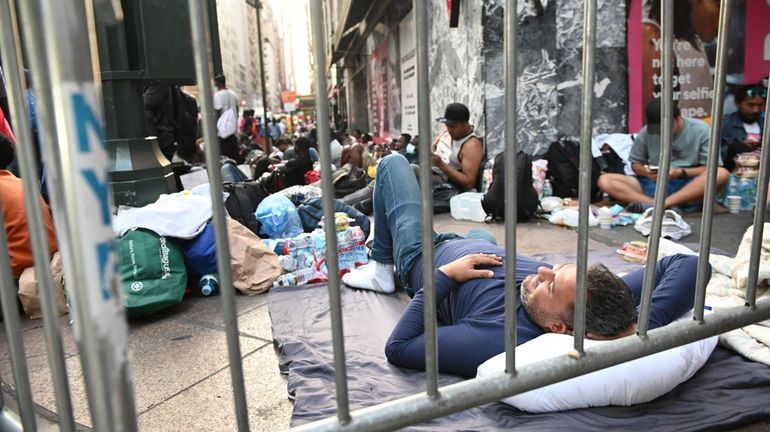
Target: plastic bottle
[(605, 217), (547, 188), (486, 175), (209, 284), (299, 277), (748, 192)]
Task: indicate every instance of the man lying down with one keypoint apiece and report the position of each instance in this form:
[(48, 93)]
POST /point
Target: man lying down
[(470, 286)]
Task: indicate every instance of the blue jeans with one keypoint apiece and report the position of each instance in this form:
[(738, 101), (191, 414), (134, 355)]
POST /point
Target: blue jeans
[(398, 218)]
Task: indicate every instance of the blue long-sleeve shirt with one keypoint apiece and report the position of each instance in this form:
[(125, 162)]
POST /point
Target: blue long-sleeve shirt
[(471, 315)]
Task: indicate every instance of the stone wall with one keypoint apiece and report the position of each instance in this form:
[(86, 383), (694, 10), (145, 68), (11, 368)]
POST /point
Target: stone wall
[(549, 63)]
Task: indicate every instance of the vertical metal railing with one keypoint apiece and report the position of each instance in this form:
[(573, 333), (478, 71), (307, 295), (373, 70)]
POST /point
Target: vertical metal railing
[(78, 169), (510, 48), (199, 25), (759, 211), (422, 31), (715, 139), (332, 264), (666, 137), (13, 335), (586, 132), (10, 47)]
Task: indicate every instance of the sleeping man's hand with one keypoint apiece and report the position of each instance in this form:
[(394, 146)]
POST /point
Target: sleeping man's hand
[(464, 269)]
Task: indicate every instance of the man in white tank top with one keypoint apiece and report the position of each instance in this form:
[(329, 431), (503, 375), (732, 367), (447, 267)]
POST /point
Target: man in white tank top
[(457, 152)]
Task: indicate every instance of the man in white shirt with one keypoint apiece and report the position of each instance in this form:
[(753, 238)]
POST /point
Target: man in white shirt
[(226, 107)]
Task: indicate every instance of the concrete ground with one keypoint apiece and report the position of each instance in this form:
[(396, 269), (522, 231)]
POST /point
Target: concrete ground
[(179, 357)]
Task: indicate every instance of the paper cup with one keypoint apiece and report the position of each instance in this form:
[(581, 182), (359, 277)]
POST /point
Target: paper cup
[(734, 203)]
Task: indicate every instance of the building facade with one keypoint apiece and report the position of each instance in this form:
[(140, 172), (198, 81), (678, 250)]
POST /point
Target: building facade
[(372, 47)]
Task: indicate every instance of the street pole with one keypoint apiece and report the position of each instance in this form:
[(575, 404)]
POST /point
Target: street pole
[(258, 6)]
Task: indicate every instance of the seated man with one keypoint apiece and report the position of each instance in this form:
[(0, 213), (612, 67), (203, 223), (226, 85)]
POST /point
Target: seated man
[(742, 130), (687, 174), (470, 281), (457, 161), (15, 216)]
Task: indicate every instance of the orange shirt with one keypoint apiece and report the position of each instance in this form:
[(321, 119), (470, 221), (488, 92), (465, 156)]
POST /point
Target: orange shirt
[(15, 218)]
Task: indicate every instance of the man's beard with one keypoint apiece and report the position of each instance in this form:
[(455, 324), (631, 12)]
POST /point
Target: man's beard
[(751, 118), (525, 293)]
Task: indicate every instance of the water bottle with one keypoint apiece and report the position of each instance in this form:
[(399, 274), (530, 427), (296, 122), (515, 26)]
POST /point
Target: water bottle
[(486, 176), (299, 277), (547, 188), (748, 193), (209, 284)]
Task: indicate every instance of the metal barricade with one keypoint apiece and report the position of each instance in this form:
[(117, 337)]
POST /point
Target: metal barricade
[(71, 128)]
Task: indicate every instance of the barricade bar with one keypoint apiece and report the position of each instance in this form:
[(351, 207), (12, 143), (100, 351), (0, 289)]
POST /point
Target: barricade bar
[(586, 159), (8, 421), (759, 213), (715, 139), (327, 200), (510, 46), (86, 236), (467, 394), (666, 137), (13, 334), (201, 40), (11, 50), (426, 183)]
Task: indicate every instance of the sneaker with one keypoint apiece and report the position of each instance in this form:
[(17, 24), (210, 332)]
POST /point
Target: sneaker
[(638, 207), (673, 226)]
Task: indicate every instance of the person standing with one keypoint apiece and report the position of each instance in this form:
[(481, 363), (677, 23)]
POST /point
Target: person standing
[(226, 109)]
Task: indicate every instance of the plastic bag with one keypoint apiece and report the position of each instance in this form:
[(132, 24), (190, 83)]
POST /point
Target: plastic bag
[(279, 217), (569, 217)]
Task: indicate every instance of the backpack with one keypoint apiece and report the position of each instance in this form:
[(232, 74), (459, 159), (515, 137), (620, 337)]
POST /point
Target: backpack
[(527, 199), (242, 202), (311, 211), (563, 158)]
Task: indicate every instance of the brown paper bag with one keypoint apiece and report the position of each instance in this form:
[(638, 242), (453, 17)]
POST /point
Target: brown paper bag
[(254, 266), (29, 291)]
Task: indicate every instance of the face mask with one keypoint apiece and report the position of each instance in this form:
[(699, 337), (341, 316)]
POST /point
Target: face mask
[(410, 148)]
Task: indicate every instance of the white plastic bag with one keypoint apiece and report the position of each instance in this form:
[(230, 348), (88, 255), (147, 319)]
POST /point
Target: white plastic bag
[(569, 217), (227, 124)]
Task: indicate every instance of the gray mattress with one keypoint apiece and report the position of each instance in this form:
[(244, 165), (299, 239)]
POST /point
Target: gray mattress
[(728, 392)]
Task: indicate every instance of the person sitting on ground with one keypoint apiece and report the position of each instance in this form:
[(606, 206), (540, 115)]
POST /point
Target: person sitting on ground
[(457, 160), (687, 174), (290, 154), (470, 286), (15, 215), (295, 168), (354, 155), (742, 130), (280, 148)]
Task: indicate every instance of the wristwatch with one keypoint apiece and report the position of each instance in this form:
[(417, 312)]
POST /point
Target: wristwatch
[(682, 173)]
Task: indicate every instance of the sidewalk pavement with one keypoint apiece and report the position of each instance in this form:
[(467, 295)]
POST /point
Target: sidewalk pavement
[(179, 357)]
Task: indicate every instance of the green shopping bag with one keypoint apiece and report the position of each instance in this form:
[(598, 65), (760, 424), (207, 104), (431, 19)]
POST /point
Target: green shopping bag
[(152, 272)]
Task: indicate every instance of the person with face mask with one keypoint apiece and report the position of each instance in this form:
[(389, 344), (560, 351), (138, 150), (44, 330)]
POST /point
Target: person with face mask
[(742, 130)]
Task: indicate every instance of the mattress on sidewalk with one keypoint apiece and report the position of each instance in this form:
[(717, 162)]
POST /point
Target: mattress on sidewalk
[(727, 392)]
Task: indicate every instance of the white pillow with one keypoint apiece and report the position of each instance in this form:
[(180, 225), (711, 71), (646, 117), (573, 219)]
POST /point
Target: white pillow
[(633, 382)]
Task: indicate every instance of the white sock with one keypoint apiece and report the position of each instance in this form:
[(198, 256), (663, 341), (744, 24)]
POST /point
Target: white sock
[(373, 276)]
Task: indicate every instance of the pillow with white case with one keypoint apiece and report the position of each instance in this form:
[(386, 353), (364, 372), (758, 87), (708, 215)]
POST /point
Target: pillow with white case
[(634, 382)]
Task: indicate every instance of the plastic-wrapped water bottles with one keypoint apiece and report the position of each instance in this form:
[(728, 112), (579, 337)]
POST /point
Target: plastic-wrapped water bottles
[(747, 189), (301, 249), (299, 277)]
